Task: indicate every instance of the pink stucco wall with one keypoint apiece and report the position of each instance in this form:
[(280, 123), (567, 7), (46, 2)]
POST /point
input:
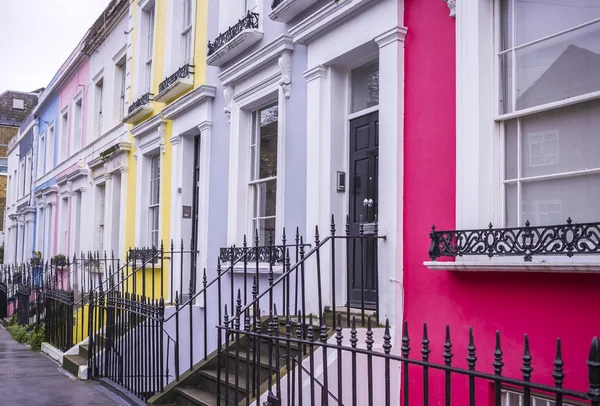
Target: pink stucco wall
[(545, 306), (79, 82)]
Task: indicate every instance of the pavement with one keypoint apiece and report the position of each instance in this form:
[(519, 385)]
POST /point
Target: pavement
[(30, 378)]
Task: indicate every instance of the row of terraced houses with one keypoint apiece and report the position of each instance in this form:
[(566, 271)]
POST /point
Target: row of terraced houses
[(357, 202)]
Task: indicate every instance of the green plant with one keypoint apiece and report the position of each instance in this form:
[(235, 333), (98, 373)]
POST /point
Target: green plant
[(36, 257), (12, 321), (18, 332), (36, 338), (59, 260)]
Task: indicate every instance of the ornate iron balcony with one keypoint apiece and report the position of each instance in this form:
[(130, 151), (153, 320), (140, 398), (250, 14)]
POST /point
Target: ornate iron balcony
[(276, 3), (249, 21), (565, 239), (181, 73), (144, 99), (142, 254)]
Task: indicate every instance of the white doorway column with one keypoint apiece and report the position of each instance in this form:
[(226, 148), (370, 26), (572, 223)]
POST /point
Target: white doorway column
[(122, 252), (318, 173), (391, 188), (108, 208)]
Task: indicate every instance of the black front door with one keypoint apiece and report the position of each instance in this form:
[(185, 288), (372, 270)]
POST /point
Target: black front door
[(364, 163)]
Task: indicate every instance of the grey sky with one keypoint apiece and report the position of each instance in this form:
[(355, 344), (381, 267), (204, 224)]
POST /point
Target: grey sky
[(36, 36)]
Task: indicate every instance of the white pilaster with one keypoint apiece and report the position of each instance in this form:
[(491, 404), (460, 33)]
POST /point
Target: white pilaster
[(108, 209), (123, 215), (391, 188)]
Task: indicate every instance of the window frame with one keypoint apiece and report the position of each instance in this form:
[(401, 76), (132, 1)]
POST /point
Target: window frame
[(77, 136), (503, 118), (187, 33), (480, 194), (254, 179), (64, 135), (41, 160), (154, 179), (149, 22)]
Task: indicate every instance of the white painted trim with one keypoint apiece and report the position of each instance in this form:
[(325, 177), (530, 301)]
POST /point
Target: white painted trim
[(546, 267), (363, 112), (189, 101), (248, 65), (120, 53), (326, 18), (549, 106), (53, 352), (149, 125), (477, 140)]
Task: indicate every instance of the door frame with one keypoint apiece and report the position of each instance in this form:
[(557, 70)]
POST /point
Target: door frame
[(351, 117)]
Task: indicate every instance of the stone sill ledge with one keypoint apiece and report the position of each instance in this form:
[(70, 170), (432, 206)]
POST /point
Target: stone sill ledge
[(509, 266)]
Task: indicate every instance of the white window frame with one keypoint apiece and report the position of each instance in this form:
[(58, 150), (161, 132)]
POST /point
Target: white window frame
[(98, 106), (255, 181), (535, 400), (154, 180), (42, 154), (230, 12), (64, 135), (187, 32), (77, 133), (240, 209), (121, 86), (50, 142), (149, 16), (480, 195)]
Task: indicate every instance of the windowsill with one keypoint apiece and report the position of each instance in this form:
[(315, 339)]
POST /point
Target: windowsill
[(263, 268), (233, 48), (484, 264), (288, 9), (136, 115), (178, 87)]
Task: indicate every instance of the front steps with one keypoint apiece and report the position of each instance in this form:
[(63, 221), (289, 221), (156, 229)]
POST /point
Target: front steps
[(77, 364), (198, 386)]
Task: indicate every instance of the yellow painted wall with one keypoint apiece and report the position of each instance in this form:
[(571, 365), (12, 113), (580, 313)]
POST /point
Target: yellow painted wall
[(200, 41)]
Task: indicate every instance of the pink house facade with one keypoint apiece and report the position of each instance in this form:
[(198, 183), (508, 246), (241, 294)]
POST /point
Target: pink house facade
[(500, 128)]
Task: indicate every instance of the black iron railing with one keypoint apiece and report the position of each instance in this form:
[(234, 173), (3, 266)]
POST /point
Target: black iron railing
[(144, 99), (248, 22), (3, 300), (564, 239), (276, 3), (126, 340), (59, 306), (353, 361), (181, 73)]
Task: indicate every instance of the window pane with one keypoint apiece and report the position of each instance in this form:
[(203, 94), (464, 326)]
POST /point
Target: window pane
[(562, 140), (553, 201), (265, 198), (268, 142), (506, 24), (511, 152), (506, 84), (365, 87), (559, 68), (537, 19), (511, 205), (266, 227)]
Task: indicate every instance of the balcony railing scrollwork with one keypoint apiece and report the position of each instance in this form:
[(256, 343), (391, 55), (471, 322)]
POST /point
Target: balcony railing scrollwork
[(249, 21), (564, 239), (144, 99), (181, 73)]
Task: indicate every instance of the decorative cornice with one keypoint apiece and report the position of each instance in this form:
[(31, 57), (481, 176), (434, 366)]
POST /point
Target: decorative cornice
[(175, 140), (324, 19), (451, 6), (391, 36), (252, 62), (188, 101), (317, 72), (228, 94), (147, 126), (205, 126), (285, 64), (162, 131)]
